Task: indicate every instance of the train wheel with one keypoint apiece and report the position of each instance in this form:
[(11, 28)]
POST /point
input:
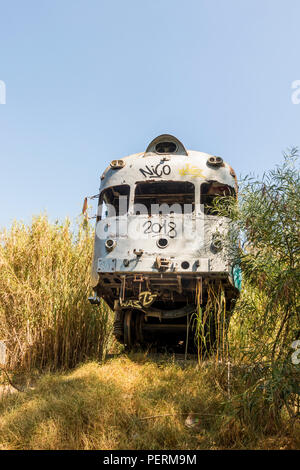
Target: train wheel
[(139, 321), (129, 336), (118, 330)]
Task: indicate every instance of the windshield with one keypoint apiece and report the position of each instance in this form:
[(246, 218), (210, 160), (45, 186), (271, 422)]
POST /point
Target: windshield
[(163, 197), (114, 201)]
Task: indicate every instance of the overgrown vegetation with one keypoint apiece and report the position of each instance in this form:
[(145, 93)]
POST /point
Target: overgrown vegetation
[(246, 396), (210, 323), (265, 231), (45, 319), (267, 220)]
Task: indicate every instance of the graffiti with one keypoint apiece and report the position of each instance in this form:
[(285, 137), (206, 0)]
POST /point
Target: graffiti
[(145, 299), (165, 228), (191, 171), (156, 171)]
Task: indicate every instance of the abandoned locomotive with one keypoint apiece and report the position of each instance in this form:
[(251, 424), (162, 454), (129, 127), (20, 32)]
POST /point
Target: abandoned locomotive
[(159, 240)]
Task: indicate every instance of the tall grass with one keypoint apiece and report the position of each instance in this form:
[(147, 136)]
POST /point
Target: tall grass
[(210, 323), (45, 317)]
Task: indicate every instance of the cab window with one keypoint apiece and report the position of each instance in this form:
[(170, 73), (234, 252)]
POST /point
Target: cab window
[(164, 197), (211, 191), (114, 201)]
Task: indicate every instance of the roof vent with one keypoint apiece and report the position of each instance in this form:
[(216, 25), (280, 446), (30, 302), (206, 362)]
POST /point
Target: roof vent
[(165, 144), (165, 147)]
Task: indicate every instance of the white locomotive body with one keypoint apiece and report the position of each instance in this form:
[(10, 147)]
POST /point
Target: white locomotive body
[(157, 236)]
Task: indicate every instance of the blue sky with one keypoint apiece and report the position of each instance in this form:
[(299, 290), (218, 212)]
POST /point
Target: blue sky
[(89, 81)]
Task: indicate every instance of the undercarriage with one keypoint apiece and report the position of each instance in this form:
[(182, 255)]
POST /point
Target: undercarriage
[(161, 308)]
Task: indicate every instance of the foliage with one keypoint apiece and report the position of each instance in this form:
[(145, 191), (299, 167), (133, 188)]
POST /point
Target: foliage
[(265, 240)]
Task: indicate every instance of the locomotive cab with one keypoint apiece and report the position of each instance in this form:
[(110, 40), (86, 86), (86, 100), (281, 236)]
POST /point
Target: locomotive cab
[(159, 240)]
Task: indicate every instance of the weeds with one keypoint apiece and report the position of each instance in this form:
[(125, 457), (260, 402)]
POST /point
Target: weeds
[(210, 323)]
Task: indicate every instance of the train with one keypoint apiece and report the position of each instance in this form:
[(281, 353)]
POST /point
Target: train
[(159, 242)]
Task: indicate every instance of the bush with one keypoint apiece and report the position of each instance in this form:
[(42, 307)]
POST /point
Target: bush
[(268, 217), (266, 221)]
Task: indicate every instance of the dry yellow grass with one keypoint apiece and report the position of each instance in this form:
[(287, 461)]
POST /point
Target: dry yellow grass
[(45, 317), (102, 407)]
